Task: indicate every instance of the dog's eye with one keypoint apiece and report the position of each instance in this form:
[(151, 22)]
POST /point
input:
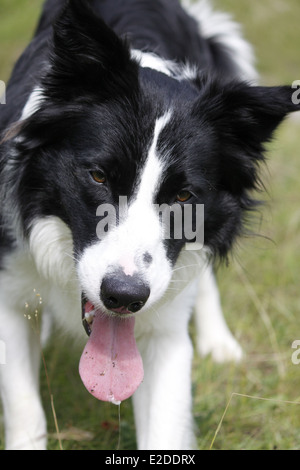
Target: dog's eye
[(98, 176), (183, 196)]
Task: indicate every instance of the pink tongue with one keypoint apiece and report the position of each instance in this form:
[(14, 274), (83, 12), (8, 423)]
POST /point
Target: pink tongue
[(111, 367)]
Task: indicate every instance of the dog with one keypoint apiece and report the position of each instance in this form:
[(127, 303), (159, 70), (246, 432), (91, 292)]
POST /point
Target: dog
[(117, 111)]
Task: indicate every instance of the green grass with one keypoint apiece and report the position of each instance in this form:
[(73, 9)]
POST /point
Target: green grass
[(17, 22), (260, 288)]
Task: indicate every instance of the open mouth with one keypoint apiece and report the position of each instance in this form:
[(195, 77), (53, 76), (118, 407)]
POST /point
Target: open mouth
[(110, 367), (87, 315)]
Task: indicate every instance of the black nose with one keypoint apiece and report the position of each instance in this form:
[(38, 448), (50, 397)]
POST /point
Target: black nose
[(124, 294)]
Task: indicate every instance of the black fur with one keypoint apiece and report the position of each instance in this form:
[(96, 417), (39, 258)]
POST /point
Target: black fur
[(99, 111)]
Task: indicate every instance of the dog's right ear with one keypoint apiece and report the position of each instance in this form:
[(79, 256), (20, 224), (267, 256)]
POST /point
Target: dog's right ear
[(88, 59)]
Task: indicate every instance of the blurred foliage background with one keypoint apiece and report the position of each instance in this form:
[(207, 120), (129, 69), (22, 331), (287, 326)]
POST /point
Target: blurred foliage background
[(259, 288)]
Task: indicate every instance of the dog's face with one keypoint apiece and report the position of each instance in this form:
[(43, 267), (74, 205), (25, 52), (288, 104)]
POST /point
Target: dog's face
[(107, 127)]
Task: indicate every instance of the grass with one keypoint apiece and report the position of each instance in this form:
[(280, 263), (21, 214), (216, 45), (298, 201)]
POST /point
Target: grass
[(260, 288)]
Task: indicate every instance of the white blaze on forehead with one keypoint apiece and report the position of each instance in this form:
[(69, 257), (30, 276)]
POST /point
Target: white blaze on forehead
[(142, 225), (153, 168)]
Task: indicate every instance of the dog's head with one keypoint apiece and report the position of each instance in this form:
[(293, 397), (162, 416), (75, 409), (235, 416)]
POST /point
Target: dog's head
[(103, 125)]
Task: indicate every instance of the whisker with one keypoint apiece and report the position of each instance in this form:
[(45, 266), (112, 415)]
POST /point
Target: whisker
[(186, 266)]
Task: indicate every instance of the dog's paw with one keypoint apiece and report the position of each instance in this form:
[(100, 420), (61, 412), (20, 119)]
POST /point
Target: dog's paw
[(222, 349)]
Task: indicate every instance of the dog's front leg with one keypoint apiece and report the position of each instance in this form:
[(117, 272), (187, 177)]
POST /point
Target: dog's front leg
[(163, 402), (25, 426), (213, 334)]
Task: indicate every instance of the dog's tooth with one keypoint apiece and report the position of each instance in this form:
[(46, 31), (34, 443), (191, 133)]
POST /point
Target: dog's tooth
[(89, 316)]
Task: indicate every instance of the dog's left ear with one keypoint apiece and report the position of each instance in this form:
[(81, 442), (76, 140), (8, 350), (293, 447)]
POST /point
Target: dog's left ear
[(88, 59), (259, 110), (243, 118), (239, 119), (250, 112)]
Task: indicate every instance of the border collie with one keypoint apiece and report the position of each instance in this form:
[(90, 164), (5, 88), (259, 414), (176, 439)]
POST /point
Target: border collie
[(156, 104)]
